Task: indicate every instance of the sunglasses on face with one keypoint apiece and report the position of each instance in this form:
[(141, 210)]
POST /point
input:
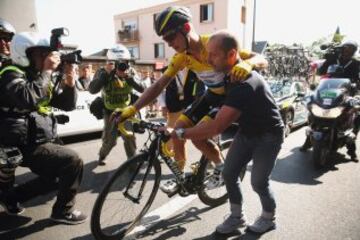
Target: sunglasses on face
[(6, 38), (170, 37)]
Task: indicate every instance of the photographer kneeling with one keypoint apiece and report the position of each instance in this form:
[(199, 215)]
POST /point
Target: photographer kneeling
[(116, 85), (27, 94)]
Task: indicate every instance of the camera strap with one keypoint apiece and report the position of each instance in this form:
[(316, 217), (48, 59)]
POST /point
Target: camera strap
[(348, 64)]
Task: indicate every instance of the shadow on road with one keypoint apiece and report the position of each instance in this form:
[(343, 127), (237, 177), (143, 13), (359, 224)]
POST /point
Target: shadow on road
[(237, 235), (169, 228), (173, 227), (21, 232), (299, 168), (12, 222)]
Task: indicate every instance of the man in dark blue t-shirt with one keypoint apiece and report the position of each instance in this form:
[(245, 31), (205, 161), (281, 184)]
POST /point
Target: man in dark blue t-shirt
[(259, 138)]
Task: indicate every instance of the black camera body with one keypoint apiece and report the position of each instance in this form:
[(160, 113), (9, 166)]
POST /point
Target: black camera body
[(122, 66), (55, 43), (332, 52)]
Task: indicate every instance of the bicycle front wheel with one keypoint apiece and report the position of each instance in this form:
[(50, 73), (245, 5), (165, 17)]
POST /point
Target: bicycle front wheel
[(217, 196), (126, 198)]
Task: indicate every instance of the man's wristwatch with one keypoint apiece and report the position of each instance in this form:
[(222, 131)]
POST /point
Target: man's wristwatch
[(180, 133)]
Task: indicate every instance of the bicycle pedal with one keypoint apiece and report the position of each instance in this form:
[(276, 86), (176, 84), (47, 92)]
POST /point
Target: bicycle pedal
[(171, 194)]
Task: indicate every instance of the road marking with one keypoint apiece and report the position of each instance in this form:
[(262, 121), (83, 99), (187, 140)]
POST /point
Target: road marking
[(161, 213)]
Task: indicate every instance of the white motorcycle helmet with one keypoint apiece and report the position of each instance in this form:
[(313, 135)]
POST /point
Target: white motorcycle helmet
[(20, 44), (119, 52)]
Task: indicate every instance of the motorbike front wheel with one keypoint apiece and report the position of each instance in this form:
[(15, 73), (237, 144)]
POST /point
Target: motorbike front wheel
[(321, 153)]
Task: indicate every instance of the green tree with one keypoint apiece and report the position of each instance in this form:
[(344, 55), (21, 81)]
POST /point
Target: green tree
[(314, 48)]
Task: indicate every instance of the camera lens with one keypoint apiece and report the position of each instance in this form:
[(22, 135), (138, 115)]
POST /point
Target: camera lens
[(122, 66)]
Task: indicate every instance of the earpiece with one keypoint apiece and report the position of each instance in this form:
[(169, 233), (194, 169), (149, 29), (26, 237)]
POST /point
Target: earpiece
[(186, 28)]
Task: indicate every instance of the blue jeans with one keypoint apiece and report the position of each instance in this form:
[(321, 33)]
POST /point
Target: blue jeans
[(263, 150)]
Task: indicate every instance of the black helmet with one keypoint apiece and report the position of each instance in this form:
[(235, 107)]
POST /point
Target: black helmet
[(172, 18), (6, 27)]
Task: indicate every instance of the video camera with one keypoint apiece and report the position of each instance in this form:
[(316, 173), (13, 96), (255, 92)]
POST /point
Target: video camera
[(332, 52), (122, 65), (55, 43)]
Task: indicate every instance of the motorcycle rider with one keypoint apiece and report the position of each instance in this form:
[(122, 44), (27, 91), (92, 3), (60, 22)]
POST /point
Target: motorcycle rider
[(27, 93), (343, 57)]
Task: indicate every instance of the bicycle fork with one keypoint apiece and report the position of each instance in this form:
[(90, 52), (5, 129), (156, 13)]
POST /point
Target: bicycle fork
[(131, 183)]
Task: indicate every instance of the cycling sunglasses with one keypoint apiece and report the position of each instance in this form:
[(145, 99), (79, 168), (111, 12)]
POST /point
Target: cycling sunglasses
[(169, 37)]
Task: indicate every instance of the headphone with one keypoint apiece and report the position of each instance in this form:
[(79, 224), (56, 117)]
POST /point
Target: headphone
[(186, 28)]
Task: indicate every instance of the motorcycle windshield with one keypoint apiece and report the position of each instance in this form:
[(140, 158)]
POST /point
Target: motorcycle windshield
[(330, 92)]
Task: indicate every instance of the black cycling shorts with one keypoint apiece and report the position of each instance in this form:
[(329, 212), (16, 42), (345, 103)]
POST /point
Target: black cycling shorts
[(206, 106)]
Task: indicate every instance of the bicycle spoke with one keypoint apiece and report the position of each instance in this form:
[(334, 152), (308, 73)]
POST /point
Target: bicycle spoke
[(125, 199)]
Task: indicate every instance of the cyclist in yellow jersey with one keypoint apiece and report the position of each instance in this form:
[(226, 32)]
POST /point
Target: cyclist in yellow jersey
[(175, 27)]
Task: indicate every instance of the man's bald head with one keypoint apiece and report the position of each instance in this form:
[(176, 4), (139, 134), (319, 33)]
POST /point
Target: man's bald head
[(222, 51), (225, 40)]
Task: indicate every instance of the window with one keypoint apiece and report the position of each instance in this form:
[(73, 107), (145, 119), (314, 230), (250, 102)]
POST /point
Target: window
[(207, 12), (243, 14), (134, 52), (159, 50), (154, 18), (129, 25)]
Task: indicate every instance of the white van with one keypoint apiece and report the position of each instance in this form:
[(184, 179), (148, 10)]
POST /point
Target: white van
[(80, 120)]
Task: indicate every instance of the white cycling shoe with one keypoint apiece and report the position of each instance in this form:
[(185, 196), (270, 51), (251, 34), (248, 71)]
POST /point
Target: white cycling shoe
[(170, 186), (215, 180)]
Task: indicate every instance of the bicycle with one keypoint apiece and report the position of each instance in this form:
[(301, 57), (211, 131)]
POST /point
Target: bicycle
[(136, 182)]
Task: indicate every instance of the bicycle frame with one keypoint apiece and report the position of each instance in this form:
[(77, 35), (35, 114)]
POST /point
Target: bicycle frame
[(153, 151)]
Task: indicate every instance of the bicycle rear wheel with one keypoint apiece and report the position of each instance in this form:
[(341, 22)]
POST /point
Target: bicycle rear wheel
[(126, 198), (217, 196)]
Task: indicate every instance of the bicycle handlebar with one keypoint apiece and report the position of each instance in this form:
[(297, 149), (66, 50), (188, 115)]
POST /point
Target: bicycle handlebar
[(122, 129), (138, 124)]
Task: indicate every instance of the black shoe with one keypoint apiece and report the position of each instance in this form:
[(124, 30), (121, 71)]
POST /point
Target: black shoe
[(11, 207), (353, 156), (101, 162), (74, 217)]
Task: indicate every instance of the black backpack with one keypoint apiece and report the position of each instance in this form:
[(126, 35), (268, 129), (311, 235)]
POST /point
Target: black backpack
[(97, 108)]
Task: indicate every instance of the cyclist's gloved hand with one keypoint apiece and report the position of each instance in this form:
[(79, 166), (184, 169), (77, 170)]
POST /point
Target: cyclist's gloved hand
[(241, 71), (121, 114)]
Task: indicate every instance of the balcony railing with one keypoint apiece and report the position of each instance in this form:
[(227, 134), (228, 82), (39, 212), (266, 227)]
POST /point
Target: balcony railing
[(128, 35)]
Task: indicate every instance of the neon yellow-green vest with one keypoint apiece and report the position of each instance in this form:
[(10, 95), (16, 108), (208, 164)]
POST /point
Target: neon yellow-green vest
[(116, 96), (43, 105)]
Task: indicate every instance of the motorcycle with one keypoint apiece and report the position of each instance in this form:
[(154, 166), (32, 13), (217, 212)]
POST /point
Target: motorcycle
[(332, 111)]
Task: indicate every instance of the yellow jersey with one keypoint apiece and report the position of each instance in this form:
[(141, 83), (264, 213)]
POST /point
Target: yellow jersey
[(204, 71)]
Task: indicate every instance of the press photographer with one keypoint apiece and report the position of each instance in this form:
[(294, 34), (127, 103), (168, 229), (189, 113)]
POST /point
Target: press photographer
[(116, 84), (343, 56), (7, 32), (27, 95)]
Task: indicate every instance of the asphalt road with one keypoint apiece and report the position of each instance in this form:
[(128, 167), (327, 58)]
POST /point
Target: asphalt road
[(311, 204)]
